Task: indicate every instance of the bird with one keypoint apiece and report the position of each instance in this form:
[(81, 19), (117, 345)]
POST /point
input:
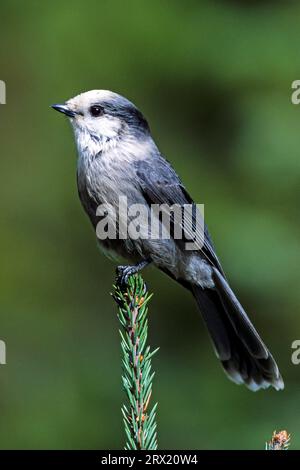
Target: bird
[(117, 156)]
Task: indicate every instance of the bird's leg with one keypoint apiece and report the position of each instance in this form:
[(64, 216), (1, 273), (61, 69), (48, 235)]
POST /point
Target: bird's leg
[(124, 272)]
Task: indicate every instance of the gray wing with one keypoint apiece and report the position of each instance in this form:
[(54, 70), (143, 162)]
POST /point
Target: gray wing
[(160, 184)]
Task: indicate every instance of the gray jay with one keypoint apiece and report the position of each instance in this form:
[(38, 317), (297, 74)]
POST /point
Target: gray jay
[(117, 156)]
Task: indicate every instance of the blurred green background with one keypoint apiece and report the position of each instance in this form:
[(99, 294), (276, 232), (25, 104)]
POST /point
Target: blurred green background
[(214, 80)]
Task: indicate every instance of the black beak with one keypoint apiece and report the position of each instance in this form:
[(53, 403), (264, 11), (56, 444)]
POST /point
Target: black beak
[(62, 108)]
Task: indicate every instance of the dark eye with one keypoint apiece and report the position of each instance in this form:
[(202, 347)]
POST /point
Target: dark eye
[(96, 110)]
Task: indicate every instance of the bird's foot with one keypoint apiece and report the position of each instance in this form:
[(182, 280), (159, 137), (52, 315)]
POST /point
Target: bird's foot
[(124, 272)]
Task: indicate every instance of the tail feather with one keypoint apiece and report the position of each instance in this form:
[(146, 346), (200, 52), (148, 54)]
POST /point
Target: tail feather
[(239, 347)]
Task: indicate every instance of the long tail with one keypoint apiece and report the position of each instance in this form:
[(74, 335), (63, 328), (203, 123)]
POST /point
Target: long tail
[(241, 351)]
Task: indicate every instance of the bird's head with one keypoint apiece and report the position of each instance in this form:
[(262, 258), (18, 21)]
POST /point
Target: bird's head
[(103, 116)]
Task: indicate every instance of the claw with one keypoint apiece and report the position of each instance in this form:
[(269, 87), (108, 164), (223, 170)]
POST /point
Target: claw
[(123, 274)]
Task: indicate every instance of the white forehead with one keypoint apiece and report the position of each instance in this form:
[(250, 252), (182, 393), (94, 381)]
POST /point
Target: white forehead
[(93, 96)]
